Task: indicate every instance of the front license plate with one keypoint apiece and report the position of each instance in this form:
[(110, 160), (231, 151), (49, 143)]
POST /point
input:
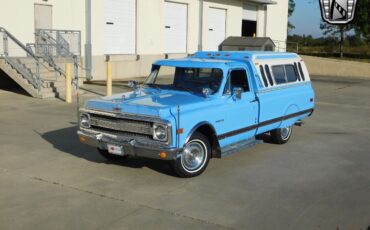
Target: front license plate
[(116, 150)]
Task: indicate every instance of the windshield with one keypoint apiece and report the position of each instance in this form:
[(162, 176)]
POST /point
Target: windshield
[(185, 79)]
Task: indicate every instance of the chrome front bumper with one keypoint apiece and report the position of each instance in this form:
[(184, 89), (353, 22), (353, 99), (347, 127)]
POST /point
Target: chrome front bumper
[(130, 147)]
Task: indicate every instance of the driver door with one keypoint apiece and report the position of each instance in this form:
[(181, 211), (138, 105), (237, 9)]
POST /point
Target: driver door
[(241, 108)]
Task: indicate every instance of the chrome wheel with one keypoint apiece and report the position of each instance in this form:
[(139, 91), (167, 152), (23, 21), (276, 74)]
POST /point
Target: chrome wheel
[(194, 156), (285, 133)]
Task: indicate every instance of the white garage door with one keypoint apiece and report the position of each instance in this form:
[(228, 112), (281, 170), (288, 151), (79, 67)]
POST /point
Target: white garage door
[(216, 28), (120, 27), (250, 12), (176, 17)]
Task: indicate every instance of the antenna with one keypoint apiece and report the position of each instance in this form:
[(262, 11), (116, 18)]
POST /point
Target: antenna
[(178, 126)]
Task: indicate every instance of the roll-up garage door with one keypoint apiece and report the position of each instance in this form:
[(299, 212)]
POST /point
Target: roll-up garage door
[(216, 28), (249, 25), (176, 17), (120, 27)]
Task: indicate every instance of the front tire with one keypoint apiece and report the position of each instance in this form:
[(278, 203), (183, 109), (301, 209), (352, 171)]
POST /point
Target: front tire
[(282, 135), (194, 158), (110, 157)]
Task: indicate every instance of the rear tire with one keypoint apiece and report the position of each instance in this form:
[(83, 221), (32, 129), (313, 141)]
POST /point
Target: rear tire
[(111, 157), (194, 158), (282, 135)]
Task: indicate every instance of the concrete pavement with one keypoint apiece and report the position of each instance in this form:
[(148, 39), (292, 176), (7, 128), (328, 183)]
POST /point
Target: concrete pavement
[(319, 180)]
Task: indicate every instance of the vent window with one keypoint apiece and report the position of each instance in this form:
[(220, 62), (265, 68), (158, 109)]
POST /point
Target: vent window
[(268, 73), (301, 71), (263, 76)]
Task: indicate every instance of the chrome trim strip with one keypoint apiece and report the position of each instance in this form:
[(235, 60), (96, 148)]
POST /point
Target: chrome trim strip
[(123, 115)]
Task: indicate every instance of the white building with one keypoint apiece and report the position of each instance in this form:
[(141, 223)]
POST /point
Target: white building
[(137, 32)]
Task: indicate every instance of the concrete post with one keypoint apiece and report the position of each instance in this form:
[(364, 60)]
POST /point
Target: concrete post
[(69, 82), (109, 76)]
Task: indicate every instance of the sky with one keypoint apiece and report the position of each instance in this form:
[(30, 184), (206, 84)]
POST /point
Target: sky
[(306, 18)]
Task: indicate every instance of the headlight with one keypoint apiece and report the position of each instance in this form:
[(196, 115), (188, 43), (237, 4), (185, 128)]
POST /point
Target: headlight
[(160, 132), (85, 120)]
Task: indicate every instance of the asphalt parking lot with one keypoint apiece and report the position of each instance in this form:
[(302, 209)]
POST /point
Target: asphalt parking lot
[(319, 180)]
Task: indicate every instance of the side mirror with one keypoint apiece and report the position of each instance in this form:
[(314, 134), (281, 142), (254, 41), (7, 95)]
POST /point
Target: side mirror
[(132, 84), (237, 93), (206, 92)]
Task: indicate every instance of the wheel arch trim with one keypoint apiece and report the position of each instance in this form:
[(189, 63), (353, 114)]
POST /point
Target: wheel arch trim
[(196, 127)]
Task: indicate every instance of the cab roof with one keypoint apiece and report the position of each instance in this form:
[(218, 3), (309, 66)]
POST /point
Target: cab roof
[(217, 59), (196, 62), (244, 55)]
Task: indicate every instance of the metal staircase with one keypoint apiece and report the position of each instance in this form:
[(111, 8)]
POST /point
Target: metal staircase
[(36, 67)]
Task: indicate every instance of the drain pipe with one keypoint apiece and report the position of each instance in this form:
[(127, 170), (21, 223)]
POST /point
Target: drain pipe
[(200, 37), (88, 52)]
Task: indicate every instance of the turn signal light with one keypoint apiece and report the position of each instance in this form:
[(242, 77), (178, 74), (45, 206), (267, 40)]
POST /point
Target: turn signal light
[(82, 139), (180, 131), (163, 155)]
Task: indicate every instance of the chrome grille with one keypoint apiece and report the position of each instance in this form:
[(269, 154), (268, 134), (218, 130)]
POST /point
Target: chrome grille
[(121, 125)]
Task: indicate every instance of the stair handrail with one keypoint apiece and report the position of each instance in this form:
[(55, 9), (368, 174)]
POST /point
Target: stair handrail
[(52, 42), (19, 43), (35, 82), (47, 57)]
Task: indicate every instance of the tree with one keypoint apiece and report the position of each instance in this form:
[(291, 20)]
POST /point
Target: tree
[(361, 22), (360, 25), (291, 8), (336, 31)]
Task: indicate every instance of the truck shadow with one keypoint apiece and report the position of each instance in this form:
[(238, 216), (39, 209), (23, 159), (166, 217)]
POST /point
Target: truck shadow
[(66, 140)]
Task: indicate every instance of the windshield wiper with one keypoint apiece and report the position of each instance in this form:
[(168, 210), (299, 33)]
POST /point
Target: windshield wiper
[(151, 85)]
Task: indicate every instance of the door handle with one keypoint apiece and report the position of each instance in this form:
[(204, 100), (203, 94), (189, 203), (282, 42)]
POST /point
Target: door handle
[(255, 100), (167, 27), (109, 23)]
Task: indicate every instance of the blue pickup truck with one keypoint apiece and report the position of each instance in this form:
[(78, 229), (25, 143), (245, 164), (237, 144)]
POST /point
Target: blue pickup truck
[(204, 106)]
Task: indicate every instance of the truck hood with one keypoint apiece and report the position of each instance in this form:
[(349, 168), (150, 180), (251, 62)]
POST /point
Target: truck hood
[(148, 102)]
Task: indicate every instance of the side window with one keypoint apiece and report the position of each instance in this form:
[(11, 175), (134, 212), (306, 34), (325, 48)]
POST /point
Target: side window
[(268, 73), (296, 70), (301, 71), (291, 73), (279, 74), (237, 79), (263, 76)]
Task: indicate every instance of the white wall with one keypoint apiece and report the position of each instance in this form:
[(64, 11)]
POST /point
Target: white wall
[(18, 17), (277, 23)]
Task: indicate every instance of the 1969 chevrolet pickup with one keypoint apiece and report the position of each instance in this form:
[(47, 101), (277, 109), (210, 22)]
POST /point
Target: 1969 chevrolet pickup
[(208, 105)]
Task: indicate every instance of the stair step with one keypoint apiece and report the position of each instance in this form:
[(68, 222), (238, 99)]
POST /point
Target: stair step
[(48, 95), (57, 84)]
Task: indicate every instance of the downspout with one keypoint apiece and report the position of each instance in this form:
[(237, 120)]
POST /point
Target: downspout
[(265, 21), (88, 52), (200, 37)]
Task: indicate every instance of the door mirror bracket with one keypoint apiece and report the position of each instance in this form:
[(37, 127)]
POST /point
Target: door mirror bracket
[(237, 93)]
